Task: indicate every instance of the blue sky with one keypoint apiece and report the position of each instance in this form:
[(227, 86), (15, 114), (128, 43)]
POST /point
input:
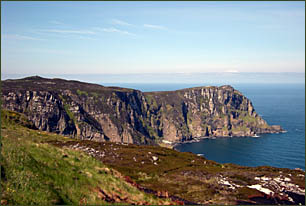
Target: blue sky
[(152, 37)]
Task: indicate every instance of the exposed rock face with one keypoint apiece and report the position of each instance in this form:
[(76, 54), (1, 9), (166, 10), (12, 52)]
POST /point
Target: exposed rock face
[(90, 111)]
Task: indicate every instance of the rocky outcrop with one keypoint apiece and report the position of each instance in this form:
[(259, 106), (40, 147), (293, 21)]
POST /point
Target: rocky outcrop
[(90, 111)]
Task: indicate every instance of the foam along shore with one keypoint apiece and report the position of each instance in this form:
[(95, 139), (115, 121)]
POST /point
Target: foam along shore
[(198, 139)]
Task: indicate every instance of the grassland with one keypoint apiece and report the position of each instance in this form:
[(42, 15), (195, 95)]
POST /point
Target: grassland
[(184, 175), (45, 168), (36, 172)]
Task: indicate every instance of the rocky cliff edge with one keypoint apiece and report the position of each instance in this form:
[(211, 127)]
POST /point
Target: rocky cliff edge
[(94, 112)]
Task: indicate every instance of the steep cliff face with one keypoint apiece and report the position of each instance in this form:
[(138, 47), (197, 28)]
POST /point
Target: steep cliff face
[(90, 111)]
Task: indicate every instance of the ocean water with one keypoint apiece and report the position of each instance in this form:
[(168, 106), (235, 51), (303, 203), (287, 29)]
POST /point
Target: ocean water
[(281, 104)]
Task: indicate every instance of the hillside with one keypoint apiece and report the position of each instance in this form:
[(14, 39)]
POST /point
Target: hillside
[(45, 168), (36, 172), (94, 112)]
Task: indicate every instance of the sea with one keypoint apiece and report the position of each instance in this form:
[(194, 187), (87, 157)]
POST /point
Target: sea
[(277, 103)]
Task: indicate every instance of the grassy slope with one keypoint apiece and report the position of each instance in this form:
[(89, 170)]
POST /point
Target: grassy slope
[(40, 168), (182, 174), (35, 172)]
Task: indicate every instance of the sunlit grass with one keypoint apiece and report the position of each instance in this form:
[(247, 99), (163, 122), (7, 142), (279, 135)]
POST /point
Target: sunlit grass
[(36, 172)]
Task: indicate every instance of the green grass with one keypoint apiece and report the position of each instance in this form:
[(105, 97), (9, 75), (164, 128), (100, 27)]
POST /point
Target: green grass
[(240, 128), (10, 118), (36, 172), (95, 94), (67, 109), (70, 114), (182, 174), (40, 168), (79, 92), (151, 100), (247, 118)]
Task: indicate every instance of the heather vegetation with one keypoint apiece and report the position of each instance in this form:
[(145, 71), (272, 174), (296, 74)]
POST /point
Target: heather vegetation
[(36, 172), (38, 167)]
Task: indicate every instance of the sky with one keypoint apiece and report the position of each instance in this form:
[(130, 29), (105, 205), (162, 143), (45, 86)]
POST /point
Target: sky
[(51, 37)]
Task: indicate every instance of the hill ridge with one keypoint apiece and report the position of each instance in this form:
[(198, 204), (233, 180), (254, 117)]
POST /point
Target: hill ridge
[(91, 111)]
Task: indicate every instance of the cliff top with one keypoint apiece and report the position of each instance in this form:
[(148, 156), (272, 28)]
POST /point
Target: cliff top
[(39, 83)]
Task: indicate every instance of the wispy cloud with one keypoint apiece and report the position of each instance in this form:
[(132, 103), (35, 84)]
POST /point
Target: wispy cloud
[(278, 13), (85, 37), (120, 22), (151, 26), (56, 22), (21, 37), (68, 31), (114, 30), (232, 71), (48, 51)]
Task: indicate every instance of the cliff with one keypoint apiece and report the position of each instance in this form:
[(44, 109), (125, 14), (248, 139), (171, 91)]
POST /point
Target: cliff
[(94, 112)]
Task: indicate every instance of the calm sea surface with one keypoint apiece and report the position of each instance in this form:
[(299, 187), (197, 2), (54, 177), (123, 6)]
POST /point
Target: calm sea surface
[(281, 104)]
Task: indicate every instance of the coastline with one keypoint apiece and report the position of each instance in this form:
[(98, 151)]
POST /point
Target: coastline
[(173, 145)]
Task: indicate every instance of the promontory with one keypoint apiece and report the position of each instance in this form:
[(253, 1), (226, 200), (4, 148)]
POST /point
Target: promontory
[(94, 112)]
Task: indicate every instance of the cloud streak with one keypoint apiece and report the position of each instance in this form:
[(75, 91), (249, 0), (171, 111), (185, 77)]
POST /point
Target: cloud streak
[(68, 31), (121, 23), (86, 38), (21, 37), (114, 30), (56, 22), (49, 51), (151, 26)]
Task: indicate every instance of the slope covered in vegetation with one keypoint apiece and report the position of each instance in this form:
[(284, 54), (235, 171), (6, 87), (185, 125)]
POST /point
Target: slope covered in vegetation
[(36, 172), (43, 168)]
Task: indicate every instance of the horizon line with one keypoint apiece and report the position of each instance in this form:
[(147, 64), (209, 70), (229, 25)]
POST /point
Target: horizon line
[(33, 74)]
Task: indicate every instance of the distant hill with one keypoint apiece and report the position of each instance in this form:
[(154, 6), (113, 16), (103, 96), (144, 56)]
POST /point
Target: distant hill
[(94, 112)]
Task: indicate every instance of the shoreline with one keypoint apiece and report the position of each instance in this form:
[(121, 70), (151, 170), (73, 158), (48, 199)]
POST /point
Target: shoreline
[(198, 139)]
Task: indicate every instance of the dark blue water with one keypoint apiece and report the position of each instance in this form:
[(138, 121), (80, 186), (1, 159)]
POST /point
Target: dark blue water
[(281, 104)]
